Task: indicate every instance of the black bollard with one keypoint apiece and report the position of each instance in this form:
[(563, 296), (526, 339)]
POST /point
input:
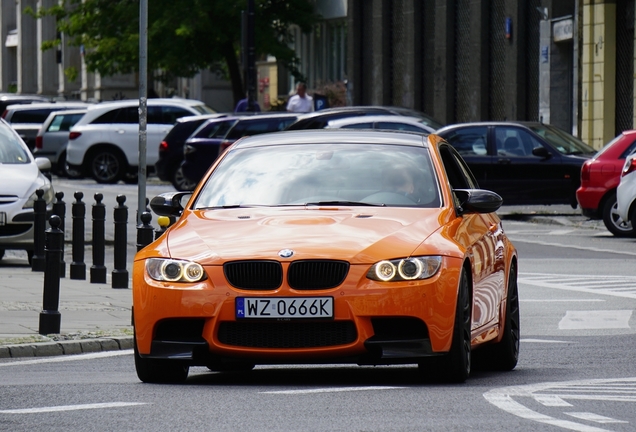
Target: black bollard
[(38, 262), (98, 270), (78, 268), (50, 317), (120, 216), (59, 208), (164, 223), (144, 231)]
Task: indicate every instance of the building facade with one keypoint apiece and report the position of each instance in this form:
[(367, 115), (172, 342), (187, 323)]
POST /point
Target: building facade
[(569, 63)]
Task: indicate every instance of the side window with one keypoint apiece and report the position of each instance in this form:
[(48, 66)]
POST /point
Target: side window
[(469, 141), (107, 117), (628, 150), (459, 175), (358, 126), (63, 122), (399, 127), (170, 114), (513, 141)]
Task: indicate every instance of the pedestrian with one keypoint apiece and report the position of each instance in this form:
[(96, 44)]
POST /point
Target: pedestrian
[(242, 106), (301, 102)]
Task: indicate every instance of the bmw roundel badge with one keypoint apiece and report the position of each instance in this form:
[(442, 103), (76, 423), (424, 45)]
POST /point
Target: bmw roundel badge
[(285, 253)]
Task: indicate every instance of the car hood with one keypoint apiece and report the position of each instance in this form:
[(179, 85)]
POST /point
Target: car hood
[(358, 234), (23, 177)]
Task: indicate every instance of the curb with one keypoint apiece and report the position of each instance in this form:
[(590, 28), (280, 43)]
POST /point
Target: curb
[(80, 346)]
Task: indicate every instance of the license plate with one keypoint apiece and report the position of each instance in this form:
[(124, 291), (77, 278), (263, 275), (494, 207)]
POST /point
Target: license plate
[(284, 307), (3, 218)]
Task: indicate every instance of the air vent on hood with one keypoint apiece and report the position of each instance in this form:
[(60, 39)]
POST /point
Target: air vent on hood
[(364, 216)]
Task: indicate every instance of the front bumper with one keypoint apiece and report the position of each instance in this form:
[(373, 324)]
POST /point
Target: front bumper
[(373, 323)]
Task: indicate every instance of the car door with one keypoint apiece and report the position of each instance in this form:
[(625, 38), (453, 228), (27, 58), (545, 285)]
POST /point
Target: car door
[(482, 235), (471, 142), (520, 176), (125, 132)]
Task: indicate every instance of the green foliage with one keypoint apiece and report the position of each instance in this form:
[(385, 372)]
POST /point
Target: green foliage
[(184, 36)]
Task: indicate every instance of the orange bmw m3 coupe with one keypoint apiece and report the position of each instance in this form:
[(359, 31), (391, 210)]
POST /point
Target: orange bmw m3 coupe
[(329, 246)]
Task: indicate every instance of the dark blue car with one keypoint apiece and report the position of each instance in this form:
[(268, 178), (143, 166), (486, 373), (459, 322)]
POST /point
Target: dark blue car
[(200, 151)]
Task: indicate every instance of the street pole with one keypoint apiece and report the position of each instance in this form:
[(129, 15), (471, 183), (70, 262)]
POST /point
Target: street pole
[(143, 107), (251, 58)]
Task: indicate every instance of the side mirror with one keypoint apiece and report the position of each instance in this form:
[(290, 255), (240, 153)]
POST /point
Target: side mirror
[(541, 152), (44, 164), (477, 201), (168, 204)]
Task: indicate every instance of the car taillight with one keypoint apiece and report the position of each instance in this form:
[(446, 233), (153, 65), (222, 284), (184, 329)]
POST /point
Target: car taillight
[(163, 147), (73, 135), (585, 171), (630, 166), (38, 142), (225, 144)]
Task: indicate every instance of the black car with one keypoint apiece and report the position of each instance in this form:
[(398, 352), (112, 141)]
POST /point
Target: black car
[(320, 119), (524, 162), (200, 152), (168, 166)]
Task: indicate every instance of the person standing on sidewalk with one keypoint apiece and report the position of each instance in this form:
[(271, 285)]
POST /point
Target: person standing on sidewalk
[(301, 102)]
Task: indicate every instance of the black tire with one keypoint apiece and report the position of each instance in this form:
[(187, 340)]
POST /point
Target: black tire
[(455, 366), (159, 371), (181, 182), (503, 355), (613, 222), (1, 253), (107, 166)]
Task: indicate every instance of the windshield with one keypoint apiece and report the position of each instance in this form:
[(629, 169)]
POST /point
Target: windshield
[(563, 142), (11, 151), (204, 109), (325, 174)]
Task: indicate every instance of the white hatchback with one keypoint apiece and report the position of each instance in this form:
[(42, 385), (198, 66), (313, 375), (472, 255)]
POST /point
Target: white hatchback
[(626, 190), (20, 177), (104, 144)]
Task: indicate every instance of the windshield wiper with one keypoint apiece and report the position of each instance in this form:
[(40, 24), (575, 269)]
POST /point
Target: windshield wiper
[(346, 203)]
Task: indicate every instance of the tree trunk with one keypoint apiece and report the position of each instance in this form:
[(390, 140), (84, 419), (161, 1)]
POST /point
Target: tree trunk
[(235, 71)]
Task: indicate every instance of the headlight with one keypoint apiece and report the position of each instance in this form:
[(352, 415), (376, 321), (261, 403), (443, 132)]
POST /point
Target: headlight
[(405, 269), (170, 270), (48, 196)]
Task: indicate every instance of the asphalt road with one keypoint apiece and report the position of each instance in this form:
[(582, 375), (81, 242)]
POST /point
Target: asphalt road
[(576, 370)]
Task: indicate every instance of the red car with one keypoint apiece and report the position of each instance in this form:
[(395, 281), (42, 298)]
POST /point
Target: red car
[(600, 177)]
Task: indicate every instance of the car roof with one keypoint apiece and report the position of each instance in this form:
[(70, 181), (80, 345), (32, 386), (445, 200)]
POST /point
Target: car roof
[(154, 101), (493, 123), (44, 105), (330, 136), (187, 119), (375, 118), (5, 97)]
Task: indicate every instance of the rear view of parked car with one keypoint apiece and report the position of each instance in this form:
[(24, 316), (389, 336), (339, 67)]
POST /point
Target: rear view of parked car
[(600, 177), (52, 139), (168, 166), (104, 143), (20, 176), (27, 119), (201, 152)]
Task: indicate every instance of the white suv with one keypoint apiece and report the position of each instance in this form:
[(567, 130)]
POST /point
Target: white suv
[(104, 144)]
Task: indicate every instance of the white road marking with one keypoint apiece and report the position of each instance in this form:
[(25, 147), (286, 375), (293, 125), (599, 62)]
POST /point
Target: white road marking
[(330, 390), (596, 319), (561, 232), (617, 286), (602, 390), (75, 357), (594, 417), (71, 407), (590, 249), (545, 341), (551, 400), (560, 300)]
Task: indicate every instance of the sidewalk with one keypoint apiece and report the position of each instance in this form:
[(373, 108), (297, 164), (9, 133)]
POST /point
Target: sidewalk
[(96, 317)]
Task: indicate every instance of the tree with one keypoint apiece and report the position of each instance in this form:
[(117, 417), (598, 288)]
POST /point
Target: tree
[(184, 36)]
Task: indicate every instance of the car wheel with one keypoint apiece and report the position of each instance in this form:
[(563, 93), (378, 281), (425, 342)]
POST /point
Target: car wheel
[(107, 167), (64, 170), (455, 366), (613, 222), (503, 356), (159, 371), (181, 182)]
